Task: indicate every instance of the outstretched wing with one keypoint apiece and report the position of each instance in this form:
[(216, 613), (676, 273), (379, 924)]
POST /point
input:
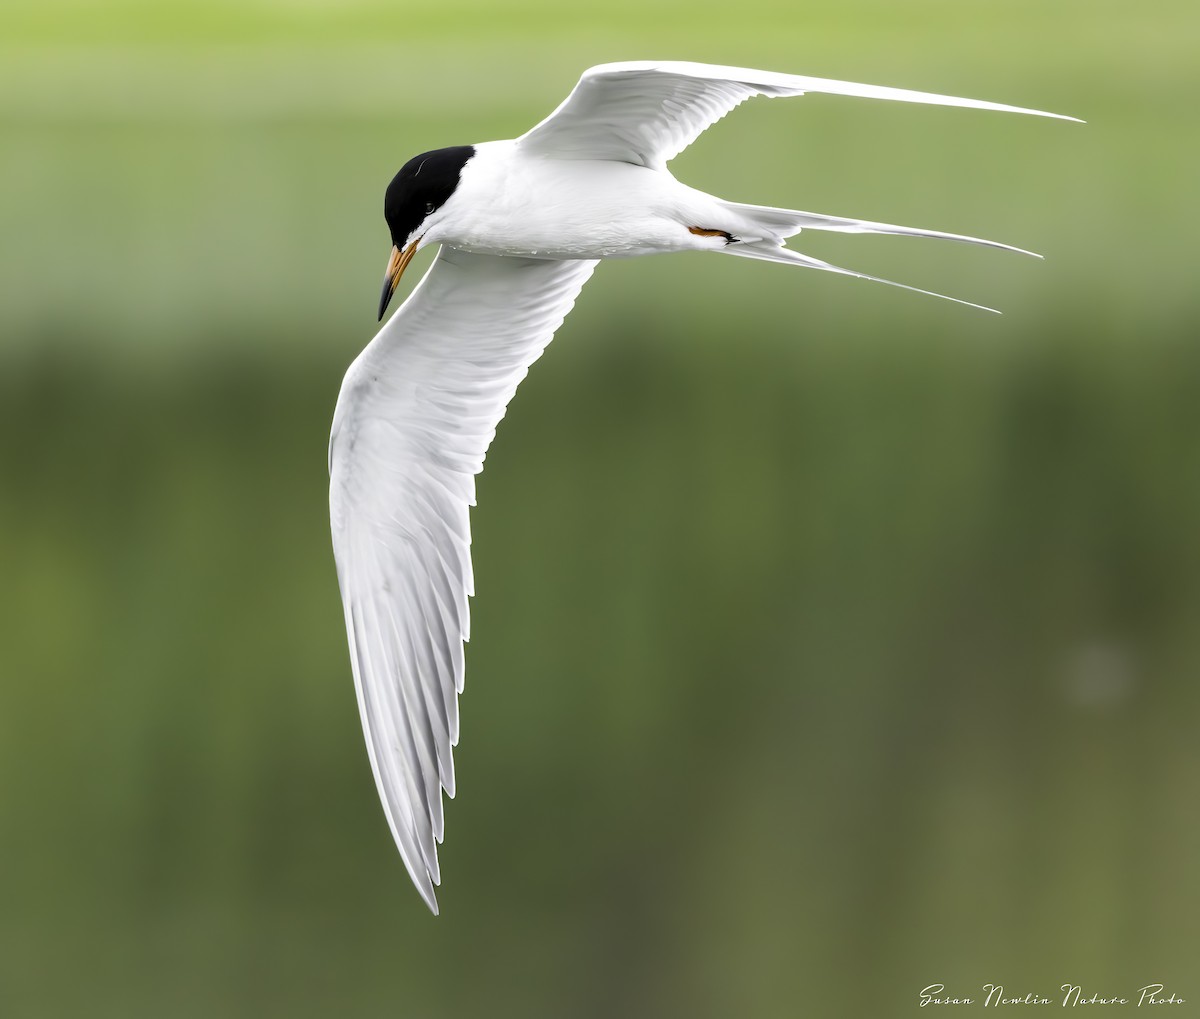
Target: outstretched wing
[(416, 413), (647, 112)]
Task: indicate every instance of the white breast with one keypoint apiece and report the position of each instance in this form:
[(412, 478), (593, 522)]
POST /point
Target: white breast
[(512, 203)]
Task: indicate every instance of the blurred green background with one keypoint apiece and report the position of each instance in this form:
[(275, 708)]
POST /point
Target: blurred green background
[(831, 641)]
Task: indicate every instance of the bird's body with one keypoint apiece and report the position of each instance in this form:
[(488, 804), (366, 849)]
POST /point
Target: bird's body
[(521, 225), (510, 202)]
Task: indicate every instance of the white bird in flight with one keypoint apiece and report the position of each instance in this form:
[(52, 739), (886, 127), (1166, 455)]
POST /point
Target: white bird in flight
[(521, 224)]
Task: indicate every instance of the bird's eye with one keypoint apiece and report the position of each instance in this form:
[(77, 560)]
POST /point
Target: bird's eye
[(429, 207)]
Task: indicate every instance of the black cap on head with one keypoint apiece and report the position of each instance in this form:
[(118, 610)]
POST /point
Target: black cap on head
[(421, 187)]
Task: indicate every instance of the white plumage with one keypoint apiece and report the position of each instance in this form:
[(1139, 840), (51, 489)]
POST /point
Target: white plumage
[(521, 224)]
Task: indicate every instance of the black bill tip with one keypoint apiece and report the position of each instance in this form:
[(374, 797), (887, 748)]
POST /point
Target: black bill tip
[(385, 296)]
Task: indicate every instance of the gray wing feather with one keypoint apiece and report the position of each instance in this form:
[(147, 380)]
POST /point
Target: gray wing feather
[(416, 413), (647, 112)]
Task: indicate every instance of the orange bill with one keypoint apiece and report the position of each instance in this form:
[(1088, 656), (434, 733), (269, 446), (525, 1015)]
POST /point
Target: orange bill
[(397, 263)]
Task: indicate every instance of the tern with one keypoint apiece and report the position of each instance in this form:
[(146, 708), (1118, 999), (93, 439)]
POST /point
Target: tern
[(521, 225)]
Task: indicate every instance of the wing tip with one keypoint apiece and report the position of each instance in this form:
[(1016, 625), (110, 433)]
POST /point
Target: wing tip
[(425, 890), (1041, 113)]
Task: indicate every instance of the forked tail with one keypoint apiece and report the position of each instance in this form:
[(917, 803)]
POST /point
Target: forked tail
[(764, 230)]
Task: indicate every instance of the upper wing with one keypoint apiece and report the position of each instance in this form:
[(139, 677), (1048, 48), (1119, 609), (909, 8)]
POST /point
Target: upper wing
[(647, 112), (414, 418)]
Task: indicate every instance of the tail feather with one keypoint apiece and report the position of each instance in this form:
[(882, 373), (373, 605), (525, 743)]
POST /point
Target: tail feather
[(777, 224), (769, 251)]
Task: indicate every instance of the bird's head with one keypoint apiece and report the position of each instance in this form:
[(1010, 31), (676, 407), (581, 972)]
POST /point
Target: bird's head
[(414, 197)]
